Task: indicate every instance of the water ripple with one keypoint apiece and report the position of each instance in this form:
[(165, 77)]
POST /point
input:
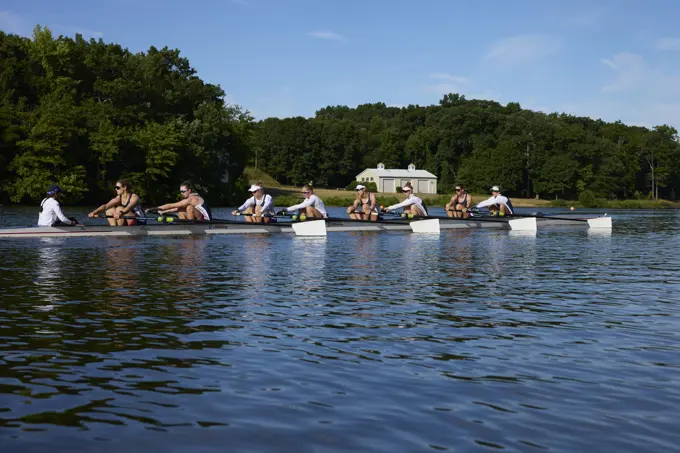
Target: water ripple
[(473, 340)]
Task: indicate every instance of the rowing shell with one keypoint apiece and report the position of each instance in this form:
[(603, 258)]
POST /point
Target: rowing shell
[(306, 228)]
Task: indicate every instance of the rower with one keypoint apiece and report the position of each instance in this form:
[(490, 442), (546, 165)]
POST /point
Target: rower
[(191, 207), (312, 206), (459, 204), (50, 210), (259, 207), (497, 204), (413, 206), (119, 207), (368, 203)]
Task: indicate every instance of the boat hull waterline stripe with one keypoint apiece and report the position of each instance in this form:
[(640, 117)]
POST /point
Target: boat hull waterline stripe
[(330, 225)]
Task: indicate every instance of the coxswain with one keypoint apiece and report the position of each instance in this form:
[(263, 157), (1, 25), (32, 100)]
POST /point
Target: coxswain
[(497, 204), (311, 207), (50, 210), (413, 206), (365, 201), (190, 207), (259, 207), (121, 208), (460, 203)]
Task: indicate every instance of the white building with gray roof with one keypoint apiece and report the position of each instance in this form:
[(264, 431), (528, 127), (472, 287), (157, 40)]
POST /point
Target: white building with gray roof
[(388, 179)]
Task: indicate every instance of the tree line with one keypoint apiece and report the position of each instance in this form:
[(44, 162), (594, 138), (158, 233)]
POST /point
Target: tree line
[(83, 114), (478, 143)]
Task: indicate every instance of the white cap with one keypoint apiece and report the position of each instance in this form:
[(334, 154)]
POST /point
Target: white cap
[(253, 188), (406, 189), (495, 189), (359, 187)]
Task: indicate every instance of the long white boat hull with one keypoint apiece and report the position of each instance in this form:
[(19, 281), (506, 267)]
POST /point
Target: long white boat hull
[(332, 225)]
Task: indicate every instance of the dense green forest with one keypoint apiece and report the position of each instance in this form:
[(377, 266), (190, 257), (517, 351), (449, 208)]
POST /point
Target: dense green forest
[(477, 143), (86, 113)]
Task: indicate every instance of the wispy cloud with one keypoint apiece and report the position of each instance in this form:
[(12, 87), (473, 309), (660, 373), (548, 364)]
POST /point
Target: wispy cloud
[(672, 44), (448, 77), (13, 23), (630, 70), (449, 83), (329, 35), (523, 49), (66, 30)]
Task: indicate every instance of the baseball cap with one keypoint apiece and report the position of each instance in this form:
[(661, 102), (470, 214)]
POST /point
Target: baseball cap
[(495, 189), (52, 189), (359, 187), (254, 188)]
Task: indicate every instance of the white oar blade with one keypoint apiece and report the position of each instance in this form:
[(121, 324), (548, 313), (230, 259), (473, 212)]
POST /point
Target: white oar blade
[(600, 222), (310, 228), (525, 224), (425, 226)]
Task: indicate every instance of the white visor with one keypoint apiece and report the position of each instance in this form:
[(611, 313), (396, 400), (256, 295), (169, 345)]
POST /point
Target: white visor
[(253, 188), (406, 189), (495, 189), (359, 187)]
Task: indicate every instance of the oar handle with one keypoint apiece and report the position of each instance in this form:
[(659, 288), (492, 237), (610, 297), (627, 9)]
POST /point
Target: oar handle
[(246, 214), (112, 217)]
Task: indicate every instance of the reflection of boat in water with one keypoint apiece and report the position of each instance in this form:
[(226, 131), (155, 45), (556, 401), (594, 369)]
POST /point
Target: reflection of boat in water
[(309, 227)]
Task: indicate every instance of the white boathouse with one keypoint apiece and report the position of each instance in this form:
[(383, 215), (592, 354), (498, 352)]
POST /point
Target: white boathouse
[(388, 179)]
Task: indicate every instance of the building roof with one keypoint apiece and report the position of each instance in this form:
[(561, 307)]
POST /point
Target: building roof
[(411, 172)]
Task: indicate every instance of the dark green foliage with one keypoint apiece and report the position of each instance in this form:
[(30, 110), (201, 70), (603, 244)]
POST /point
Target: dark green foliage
[(476, 143), (86, 113)]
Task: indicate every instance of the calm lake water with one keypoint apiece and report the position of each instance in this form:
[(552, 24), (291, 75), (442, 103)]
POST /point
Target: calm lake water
[(564, 341)]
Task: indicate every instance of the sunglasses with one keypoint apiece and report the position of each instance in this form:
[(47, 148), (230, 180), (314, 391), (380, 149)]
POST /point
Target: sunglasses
[(183, 190), (118, 187), (458, 190), (305, 192)]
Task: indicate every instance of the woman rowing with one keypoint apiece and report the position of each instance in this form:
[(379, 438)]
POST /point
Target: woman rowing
[(367, 202), (459, 204), (50, 210), (190, 207), (497, 204), (123, 209), (413, 206), (258, 208), (312, 206)]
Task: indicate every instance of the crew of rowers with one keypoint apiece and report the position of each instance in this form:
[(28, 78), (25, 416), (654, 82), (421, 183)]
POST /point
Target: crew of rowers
[(125, 207)]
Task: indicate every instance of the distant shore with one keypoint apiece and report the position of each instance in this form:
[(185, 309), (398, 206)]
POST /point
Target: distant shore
[(289, 195)]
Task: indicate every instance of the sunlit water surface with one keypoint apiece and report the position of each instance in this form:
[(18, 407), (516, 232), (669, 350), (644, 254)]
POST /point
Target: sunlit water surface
[(567, 340)]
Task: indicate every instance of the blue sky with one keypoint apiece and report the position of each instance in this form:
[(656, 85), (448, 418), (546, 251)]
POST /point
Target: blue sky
[(603, 59)]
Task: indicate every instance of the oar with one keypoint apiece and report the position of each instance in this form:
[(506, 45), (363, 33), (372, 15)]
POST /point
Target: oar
[(596, 222)]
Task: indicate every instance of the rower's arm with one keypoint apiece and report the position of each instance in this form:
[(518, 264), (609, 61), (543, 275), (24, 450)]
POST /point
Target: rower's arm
[(403, 204), (248, 203), (268, 205), (60, 214), (172, 207), (489, 202), (111, 203), (308, 202), (468, 201)]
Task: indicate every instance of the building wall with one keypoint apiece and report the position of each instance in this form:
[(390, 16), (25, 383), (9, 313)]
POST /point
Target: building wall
[(389, 185)]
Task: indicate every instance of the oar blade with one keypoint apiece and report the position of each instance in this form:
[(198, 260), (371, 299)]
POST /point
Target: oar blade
[(600, 222), (310, 228), (524, 224), (425, 226)]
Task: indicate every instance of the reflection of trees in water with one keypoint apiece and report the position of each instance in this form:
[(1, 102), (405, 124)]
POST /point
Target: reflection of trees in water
[(129, 317)]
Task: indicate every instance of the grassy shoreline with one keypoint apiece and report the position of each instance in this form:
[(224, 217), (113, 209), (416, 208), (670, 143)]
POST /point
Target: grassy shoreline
[(288, 195)]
